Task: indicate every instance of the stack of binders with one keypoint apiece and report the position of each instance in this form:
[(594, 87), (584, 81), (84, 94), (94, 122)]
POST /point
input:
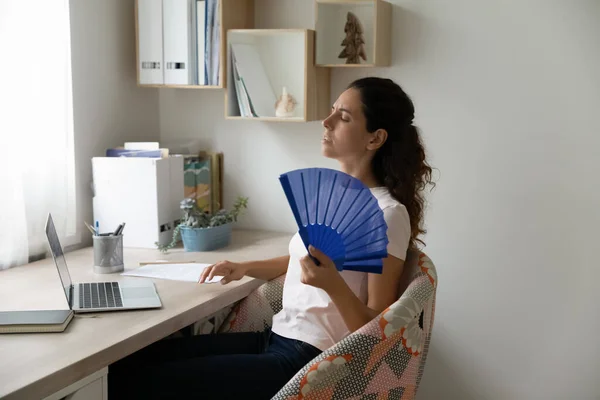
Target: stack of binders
[(179, 42)]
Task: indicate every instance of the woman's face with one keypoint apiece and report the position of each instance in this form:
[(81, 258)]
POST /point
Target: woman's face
[(346, 138)]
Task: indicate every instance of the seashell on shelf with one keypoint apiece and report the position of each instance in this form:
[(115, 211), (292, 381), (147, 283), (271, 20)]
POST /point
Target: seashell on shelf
[(285, 105)]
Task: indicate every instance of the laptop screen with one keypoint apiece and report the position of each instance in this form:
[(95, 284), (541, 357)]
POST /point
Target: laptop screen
[(59, 257)]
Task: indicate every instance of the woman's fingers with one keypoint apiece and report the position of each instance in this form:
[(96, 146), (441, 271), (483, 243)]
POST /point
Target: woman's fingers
[(222, 268), (209, 272), (205, 273), (305, 274), (217, 269)]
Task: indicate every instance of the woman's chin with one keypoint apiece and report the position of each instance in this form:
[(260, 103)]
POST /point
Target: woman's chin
[(327, 151)]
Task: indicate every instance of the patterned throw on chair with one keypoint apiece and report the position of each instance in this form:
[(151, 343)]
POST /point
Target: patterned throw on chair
[(385, 358)]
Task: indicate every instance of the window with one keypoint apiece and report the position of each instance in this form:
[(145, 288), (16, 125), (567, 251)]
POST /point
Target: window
[(37, 173)]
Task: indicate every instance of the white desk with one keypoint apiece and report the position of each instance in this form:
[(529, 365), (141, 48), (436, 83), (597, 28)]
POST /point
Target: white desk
[(34, 366)]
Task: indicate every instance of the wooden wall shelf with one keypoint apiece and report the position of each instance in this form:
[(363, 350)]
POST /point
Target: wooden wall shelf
[(299, 60), (287, 58), (375, 17), (233, 14), (181, 86)]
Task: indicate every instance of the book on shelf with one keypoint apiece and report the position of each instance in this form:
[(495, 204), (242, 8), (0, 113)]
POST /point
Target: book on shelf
[(138, 149), (121, 152), (207, 41), (212, 36), (255, 95), (217, 181), (189, 175), (201, 41), (203, 180), (141, 146), (244, 102), (203, 184)]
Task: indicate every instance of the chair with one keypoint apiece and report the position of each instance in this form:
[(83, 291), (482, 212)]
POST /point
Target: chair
[(383, 359)]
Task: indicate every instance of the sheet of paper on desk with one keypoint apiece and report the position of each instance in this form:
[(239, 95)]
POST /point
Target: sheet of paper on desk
[(178, 272)]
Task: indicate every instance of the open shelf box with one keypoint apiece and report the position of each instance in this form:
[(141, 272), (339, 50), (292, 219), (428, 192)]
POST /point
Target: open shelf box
[(266, 62), (232, 14), (332, 18)]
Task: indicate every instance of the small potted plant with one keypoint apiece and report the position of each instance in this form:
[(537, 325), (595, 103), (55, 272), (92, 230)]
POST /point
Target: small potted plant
[(202, 231)]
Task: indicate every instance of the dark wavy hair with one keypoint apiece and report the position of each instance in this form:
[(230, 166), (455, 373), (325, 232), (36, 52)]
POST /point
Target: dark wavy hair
[(400, 162)]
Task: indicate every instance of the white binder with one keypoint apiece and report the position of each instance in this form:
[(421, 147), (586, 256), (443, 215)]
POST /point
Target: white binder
[(178, 42), (150, 41)]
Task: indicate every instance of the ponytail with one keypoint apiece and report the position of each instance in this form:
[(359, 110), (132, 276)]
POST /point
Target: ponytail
[(400, 163)]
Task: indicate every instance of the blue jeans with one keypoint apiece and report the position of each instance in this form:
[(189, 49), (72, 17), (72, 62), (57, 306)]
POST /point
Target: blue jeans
[(216, 366)]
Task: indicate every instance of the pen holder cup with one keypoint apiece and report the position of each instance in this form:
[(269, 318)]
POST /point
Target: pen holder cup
[(108, 254)]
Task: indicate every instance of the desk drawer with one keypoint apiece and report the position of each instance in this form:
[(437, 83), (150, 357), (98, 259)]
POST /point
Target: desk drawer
[(92, 387)]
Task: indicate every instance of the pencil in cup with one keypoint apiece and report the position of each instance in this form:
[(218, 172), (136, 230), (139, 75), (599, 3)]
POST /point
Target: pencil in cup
[(90, 228)]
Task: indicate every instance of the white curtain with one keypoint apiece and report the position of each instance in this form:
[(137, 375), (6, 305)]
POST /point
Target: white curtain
[(36, 127)]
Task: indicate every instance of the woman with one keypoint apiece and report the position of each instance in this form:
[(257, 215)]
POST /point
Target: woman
[(370, 133)]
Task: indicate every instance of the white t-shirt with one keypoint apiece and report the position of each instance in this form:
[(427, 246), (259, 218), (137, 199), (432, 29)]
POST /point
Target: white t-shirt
[(308, 313)]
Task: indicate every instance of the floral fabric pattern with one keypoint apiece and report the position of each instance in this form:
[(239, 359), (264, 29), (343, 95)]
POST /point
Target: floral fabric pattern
[(384, 359)]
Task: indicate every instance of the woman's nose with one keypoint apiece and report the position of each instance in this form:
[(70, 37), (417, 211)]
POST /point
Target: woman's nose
[(327, 123)]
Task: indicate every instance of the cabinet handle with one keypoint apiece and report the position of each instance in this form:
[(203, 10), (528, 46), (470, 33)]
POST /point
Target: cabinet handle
[(150, 65), (175, 65)]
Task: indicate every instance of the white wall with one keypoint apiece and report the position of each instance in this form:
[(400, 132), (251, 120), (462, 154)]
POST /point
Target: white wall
[(108, 107), (507, 96)]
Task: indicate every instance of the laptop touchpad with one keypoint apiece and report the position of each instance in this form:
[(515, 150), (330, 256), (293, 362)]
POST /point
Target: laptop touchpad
[(137, 292)]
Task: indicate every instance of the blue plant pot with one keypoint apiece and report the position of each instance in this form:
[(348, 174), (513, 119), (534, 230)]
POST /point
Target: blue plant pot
[(205, 239)]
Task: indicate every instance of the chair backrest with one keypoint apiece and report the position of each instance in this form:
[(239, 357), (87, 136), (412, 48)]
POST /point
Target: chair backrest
[(384, 358), (411, 317)]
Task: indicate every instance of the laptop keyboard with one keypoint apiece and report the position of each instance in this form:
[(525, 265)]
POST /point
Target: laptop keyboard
[(100, 295)]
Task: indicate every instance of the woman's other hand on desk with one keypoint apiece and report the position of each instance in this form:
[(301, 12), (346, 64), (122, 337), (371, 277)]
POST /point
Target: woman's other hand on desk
[(230, 271)]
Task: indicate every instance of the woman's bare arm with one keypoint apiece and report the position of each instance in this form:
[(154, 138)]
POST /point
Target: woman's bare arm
[(266, 269)]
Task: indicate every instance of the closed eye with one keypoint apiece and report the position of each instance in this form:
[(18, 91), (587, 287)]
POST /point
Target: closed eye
[(341, 111)]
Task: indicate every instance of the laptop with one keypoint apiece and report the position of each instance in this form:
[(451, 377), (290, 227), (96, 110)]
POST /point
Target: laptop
[(100, 296)]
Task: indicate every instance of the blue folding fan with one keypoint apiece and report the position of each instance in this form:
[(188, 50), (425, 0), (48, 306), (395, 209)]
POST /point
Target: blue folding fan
[(338, 214)]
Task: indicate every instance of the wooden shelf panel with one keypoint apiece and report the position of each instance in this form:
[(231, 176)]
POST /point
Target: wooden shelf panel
[(235, 14), (344, 2), (267, 119), (181, 86), (347, 65)]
